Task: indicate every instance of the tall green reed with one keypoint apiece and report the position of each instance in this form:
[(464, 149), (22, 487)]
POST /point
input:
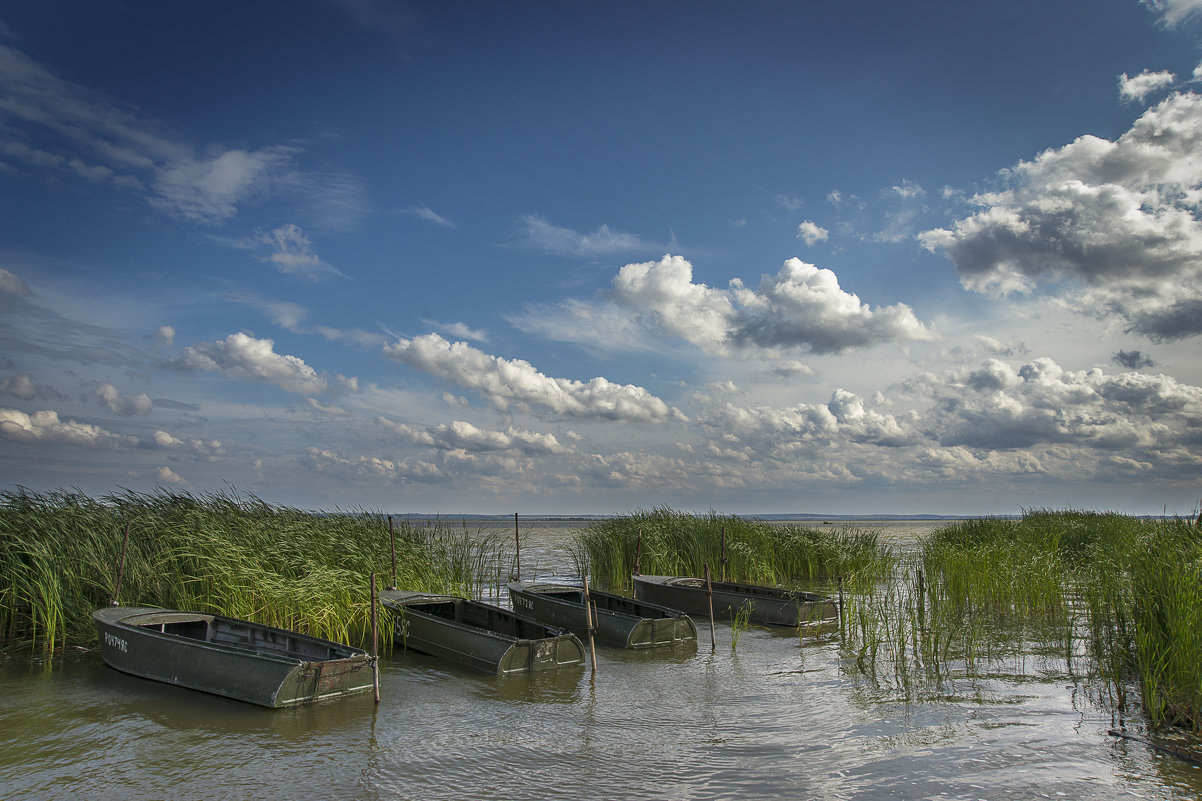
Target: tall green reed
[(1111, 600), (667, 542), (221, 552)]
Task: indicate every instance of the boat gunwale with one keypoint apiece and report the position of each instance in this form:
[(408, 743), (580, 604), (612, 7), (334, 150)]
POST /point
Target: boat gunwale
[(413, 603), (738, 588), (530, 588), (112, 616)]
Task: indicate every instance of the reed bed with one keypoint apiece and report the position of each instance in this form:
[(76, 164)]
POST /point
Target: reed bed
[(221, 553), (667, 542), (1108, 600)]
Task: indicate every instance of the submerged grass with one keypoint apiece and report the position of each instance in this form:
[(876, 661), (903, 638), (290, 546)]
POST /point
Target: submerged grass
[(667, 542), (220, 553)]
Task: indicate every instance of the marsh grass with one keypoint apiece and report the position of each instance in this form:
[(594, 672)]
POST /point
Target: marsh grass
[(740, 621), (221, 553), (1111, 601), (667, 542)]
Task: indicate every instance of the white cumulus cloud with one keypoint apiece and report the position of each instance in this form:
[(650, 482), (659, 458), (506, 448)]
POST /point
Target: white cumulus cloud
[(811, 233), (1144, 84), (462, 435), (507, 382), (243, 357), (801, 306), (45, 427), (1113, 225), (124, 405)]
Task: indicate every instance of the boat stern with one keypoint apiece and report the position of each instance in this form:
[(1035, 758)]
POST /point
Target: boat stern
[(551, 653)]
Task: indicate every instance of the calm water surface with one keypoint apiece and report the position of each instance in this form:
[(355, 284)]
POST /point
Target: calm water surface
[(777, 718)]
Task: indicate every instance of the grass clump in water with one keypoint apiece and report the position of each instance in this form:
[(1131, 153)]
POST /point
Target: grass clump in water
[(1113, 600), (667, 542), (220, 553)]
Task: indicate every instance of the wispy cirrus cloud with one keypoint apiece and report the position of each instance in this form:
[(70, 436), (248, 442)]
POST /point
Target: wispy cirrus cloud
[(1173, 12), (537, 233), (293, 253), (429, 215), (52, 124), (292, 316)]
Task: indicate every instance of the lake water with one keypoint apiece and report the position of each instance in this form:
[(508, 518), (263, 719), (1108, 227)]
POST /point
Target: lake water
[(778, 717)]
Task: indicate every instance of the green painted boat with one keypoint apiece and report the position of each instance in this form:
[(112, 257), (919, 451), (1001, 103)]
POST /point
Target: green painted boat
[(776, 606), (225, 656), (620, 621), (479, 635)]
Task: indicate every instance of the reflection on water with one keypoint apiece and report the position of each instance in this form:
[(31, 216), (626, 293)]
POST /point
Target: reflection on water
[(776, 718)]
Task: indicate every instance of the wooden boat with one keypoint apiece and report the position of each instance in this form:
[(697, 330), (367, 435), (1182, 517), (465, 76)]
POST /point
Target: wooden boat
[(770, 605), (479, 635), (621, 621), (235, 658)]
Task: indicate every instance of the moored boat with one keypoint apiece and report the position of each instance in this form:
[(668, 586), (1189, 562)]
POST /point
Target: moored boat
[(479, 635), (770, 605), (225, 656), (620, 621)]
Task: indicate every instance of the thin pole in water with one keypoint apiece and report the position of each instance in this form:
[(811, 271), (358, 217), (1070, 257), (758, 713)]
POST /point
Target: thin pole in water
[(517, 537), (709, 591), (392, 544), (724, 552), (120, 567), (638, 553), (375, 641), (588, 617)]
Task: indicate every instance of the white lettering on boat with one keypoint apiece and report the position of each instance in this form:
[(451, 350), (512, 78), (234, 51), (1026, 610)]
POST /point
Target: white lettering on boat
[(525, 603), (115, 642)]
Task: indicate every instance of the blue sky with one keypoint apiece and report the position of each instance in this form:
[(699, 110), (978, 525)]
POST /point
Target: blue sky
[(591, 258)]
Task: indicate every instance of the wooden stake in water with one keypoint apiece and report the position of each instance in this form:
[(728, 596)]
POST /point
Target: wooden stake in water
[(709, 591), (375, 641), (588, 618), (120, 568), (724, 553), (392, 544), (638, 553), (517, 538)]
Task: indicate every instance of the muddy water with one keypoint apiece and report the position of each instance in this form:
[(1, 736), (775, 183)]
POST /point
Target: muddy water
[(779, 717)]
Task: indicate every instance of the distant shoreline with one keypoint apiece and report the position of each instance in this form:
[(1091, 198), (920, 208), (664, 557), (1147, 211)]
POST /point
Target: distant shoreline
[(773, 518)]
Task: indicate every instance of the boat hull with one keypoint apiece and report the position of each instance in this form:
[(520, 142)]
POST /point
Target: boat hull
[(234, 658), (479, 635), (767, 605), (620, 621)]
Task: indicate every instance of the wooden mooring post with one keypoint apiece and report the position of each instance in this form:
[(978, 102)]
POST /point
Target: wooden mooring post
[(709, 591), (375, 641), (392, 545), (120, 568), (724, 552), (638, 553), (590, 620)]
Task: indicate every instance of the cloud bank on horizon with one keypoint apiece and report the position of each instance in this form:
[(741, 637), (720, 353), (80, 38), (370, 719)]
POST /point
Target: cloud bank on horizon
[(329, 279)]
